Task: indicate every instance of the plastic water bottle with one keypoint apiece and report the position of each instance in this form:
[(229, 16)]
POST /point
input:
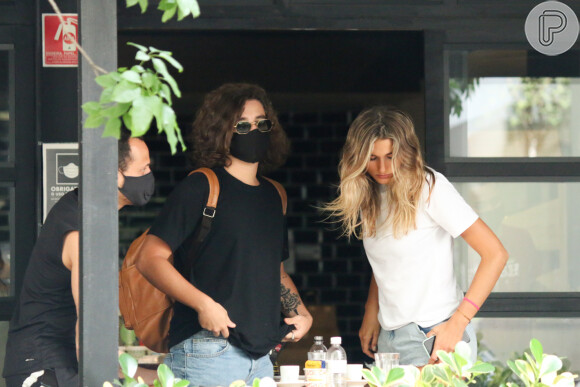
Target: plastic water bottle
[(336, 363), (318, 350)]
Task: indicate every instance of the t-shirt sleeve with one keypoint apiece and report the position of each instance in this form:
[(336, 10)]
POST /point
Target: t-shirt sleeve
[(448, 208), (182, 211)]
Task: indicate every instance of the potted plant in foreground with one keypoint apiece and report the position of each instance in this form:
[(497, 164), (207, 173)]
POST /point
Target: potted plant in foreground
[(534, 370)]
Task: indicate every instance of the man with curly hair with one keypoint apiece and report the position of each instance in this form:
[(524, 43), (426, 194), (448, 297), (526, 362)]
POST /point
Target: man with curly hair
[(227, 311)]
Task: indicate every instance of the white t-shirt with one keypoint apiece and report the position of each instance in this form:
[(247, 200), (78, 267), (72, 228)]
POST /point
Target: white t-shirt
[(414, 273)]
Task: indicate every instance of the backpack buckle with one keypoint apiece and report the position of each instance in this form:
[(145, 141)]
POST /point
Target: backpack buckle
[(209, 212)]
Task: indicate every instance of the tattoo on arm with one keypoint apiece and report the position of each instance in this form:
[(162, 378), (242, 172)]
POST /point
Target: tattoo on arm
[(290, 301)]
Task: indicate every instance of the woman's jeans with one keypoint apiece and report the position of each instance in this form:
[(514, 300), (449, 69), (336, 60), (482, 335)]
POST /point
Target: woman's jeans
[(408, 342), (206, 360)]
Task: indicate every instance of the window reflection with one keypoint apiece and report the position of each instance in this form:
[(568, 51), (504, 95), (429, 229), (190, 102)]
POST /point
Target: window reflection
[(5, 276), (501, 339), (537, 223), (502, 104), (4, 106)]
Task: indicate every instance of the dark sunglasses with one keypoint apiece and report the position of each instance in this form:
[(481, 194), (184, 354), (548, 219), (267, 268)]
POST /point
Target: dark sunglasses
[(244, 127)]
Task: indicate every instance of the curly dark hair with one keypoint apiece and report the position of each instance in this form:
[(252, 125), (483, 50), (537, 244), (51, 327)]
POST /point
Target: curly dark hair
[(213, 127)]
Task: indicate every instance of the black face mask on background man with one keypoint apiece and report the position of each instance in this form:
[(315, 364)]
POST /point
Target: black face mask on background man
[(251, 147), (139, 189)]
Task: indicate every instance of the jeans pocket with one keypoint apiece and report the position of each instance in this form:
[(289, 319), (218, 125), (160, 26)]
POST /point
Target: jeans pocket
[(208, 347)]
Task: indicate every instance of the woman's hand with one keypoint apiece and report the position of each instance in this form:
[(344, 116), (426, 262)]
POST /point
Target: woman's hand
[(369, 333), (448, 334)]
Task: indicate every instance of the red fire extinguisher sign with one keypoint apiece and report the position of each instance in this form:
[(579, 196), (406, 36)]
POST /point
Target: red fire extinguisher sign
[(59, 40)]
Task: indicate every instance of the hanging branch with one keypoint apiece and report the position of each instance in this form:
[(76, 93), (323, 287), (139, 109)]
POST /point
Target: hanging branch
[(135, 96), (97, 69)]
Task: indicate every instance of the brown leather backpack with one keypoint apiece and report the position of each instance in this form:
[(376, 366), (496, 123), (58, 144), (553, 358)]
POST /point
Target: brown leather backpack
[(146, 309)]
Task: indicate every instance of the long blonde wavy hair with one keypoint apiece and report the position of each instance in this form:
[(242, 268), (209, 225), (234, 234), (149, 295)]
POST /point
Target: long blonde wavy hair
[(358, 204)]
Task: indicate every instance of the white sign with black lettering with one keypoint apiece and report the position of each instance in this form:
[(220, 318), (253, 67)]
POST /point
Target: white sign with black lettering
[(60, 172)]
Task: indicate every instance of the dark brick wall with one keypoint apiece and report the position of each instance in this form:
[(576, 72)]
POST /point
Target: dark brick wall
[(327, 269)]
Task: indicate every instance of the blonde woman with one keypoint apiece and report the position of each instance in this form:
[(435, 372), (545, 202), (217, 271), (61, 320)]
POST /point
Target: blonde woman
[(407, 216)]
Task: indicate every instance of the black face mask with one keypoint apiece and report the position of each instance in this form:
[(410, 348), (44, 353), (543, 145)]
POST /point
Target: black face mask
[(139, 189), (251, 147)]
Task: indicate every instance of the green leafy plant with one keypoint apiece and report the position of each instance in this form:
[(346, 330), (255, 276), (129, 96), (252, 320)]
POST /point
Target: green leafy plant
[(376, 377), (539, 369), (459, 91), (183, 8), (454, 370), (129, 368), (541, 105), (136, 95)]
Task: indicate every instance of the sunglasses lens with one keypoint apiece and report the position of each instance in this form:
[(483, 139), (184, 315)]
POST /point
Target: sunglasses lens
[(264, 125), (243, 127)]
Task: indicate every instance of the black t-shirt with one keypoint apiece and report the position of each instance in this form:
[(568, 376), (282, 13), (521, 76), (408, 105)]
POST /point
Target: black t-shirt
[(238, 264), (42, 329)]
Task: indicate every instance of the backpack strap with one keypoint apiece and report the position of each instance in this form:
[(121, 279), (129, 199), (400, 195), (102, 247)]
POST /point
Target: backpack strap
[(281, 192), (206, 220)]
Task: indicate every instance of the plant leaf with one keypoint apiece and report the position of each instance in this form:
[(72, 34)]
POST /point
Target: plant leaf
[(165, 375), (550, 363), (132, 76), (537, 350), (131, 3), (94, 121), (106, 95), (106, 80), (128, 364), (481, 368), (394, 375), (143, 4), (140, 47), (142, 56), (164, 5), (169, 58), (181, 383), (91, 107), (168, 14), (165, 93), (182, 9), (113, 128), (371, 377), (161, 68), (141, 117), (194, 7), (125, 91), (150, 81)]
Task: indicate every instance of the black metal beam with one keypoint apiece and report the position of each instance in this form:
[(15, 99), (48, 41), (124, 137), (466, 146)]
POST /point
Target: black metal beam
[(99, 321)]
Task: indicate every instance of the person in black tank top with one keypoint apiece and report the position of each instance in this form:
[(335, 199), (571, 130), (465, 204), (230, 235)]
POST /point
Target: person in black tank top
[(227, 315), (42, 344)]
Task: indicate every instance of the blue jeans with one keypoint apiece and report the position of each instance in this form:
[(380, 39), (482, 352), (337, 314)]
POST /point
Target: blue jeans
[(408, 342), (206, 360)]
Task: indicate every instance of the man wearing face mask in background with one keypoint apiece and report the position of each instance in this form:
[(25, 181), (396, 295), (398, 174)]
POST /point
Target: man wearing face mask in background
[(227, 312), (42, 341)]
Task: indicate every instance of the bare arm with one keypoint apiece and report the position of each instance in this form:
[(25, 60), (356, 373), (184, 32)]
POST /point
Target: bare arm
[(70, 259), (370, 327), (493, 259), (154, 265), (293, 307)]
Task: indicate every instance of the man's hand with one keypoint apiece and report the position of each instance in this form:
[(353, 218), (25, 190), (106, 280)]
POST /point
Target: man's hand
[(369, 333), (213, 317), (302, 324)]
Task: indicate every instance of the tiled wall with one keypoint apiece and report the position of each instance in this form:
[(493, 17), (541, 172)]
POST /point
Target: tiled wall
[(327, 269)]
